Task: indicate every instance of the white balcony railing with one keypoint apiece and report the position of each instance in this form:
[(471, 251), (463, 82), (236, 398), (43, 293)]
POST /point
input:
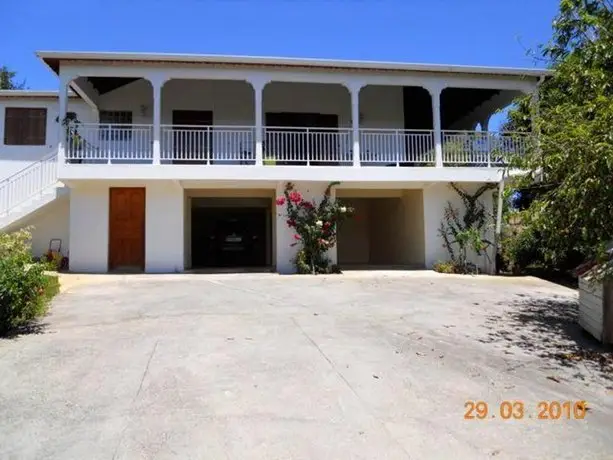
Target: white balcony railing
[(310, 146), (121, 144), (208, 144), (474, 148), (396, 147), (95, 143)]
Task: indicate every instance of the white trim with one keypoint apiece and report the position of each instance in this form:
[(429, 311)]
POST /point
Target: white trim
[(33, 93), (77, 172), (285, 61)]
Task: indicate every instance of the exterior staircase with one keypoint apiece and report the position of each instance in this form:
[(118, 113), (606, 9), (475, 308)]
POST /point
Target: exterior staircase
[(29, 190)]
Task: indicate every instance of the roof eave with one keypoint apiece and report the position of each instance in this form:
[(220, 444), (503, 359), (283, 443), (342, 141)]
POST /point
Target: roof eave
[(53, 58)]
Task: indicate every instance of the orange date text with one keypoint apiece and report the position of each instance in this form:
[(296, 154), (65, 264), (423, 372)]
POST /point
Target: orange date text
[(518, 410)]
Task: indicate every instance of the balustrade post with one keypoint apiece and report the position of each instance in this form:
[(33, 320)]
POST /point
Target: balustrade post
[(397, 146), (308, 146)]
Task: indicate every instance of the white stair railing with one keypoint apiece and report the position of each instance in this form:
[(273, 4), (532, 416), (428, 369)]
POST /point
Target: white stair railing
[(27, 183)]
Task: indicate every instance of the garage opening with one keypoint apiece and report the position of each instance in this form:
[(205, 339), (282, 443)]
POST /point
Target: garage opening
[(386, 232), (230, 233)]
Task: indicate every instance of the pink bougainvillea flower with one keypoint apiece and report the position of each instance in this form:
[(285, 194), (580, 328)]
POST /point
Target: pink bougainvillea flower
[(307, 205), (290, 222), (295, 197), (296, 236), (280, 201)]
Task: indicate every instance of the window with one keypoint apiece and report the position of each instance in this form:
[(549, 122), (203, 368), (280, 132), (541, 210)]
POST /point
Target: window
[(25, 126), (115, 125)]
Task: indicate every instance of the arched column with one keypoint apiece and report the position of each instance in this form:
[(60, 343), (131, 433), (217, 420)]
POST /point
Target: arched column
[(258, 89), (435, 94), (157, 83)]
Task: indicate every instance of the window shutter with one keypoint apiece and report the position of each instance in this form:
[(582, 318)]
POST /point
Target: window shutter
[(25, 126), (12, 123)]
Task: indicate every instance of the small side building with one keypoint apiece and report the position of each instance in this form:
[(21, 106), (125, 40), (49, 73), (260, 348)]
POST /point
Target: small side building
[(595, 305)]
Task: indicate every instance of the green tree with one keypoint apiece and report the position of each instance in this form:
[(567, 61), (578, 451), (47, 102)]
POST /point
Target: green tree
[(573, 161), (8, 79)]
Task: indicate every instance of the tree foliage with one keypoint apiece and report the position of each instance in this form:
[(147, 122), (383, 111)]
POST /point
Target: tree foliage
[(572, 209), (8, 79)]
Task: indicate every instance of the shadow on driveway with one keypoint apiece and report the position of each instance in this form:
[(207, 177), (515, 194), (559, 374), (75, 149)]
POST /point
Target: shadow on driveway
[(549, 329)]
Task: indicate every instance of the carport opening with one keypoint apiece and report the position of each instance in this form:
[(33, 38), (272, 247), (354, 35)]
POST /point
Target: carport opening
[(386, 232), (230, 233)]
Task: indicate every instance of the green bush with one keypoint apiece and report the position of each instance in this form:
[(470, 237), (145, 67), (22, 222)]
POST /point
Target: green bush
[(521, 250), (445, 267), (25, 288)]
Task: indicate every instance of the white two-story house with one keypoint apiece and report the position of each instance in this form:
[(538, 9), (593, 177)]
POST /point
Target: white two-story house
[(173, 162)]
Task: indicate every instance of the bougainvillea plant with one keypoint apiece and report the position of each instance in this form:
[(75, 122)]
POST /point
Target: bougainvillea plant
[(315, 227)]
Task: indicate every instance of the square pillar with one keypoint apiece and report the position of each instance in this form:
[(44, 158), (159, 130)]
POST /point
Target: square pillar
[(164, 227), (435, 94), (258, 90), (157, 119), (88, 247), (354, 90), (62, 111)]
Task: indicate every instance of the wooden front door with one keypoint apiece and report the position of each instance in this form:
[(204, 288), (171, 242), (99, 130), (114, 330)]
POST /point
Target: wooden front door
[(127, 228)]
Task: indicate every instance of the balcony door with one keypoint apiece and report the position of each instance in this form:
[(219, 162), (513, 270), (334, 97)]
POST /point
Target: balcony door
[(192, 136), (292, 143)]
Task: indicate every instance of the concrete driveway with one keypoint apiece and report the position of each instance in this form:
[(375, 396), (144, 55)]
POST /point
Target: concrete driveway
[(259, 366)]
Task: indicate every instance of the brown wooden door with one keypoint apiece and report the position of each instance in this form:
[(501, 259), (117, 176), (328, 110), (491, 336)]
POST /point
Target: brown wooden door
[(127, 228)]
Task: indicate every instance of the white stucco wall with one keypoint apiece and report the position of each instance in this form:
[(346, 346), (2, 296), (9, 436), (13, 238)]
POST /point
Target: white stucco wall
[(47, 223), (14, 158), (285, 252), (164, 230), (436, 197), (89, 228)]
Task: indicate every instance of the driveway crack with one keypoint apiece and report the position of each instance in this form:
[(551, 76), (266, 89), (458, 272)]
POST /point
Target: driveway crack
[(342, 377), (140, 387)]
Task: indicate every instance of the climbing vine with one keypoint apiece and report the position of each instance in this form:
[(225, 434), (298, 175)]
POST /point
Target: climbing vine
[(461, 233)]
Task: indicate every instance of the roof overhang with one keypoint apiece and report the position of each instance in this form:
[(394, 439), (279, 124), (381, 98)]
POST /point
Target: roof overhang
[(25, 93), (53, 59)]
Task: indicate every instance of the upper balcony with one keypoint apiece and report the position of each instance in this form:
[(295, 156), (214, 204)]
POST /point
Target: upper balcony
[(220, 129), (105, 144)]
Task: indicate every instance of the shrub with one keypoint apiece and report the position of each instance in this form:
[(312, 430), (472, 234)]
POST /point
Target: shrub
[(444, 267), (521, 249), (315, 226), (25, 289)]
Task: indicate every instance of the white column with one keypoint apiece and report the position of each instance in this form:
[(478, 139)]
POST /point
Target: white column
[(164, 227), (157, 119), (258, 90), (62, 110), (435, 93), (354, 89)]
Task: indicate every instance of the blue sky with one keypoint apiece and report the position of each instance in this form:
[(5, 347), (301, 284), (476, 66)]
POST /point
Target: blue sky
[(479, 32), (472, 32)]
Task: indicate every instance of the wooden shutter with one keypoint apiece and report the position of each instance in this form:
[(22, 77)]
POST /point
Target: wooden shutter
[(25, 126)]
